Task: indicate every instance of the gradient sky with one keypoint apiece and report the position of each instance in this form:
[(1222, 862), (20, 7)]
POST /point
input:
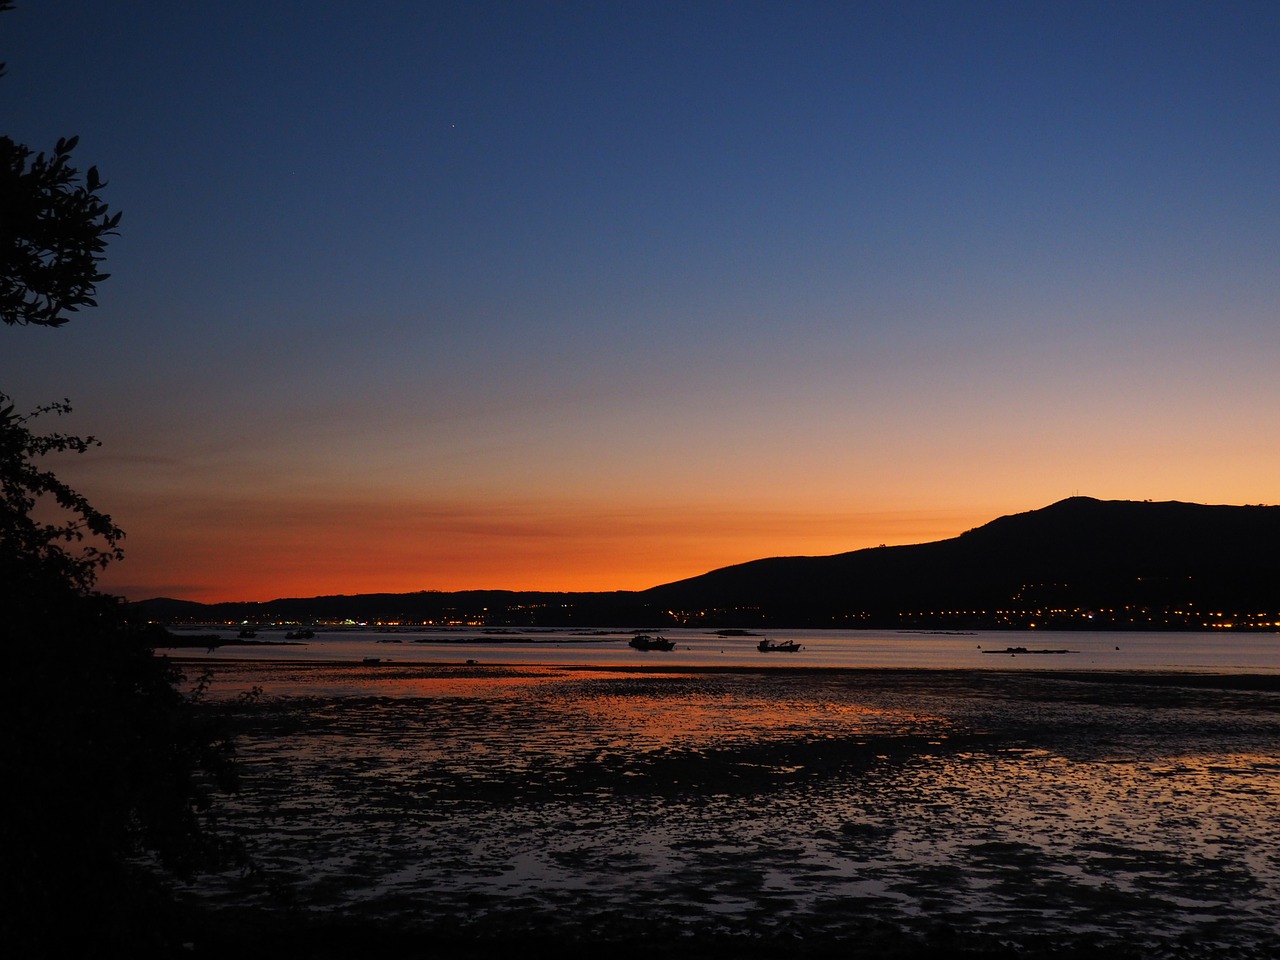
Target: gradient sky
[(598, 295)]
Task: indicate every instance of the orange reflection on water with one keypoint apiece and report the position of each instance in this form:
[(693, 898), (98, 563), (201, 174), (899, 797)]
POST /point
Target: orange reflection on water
[(1078, 806), (606, 705)]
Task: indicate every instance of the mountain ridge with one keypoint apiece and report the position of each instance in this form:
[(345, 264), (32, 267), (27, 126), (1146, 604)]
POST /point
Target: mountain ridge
[(1077, 562)]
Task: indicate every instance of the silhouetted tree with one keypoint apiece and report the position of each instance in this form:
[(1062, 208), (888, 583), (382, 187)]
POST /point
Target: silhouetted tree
[(51, 547), (109, 770), (53, 231)]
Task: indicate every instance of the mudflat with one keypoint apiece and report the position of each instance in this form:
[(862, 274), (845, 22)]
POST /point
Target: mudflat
[(472, 810)]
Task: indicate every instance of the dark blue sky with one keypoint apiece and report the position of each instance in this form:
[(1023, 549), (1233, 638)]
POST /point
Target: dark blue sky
[(602, 294)]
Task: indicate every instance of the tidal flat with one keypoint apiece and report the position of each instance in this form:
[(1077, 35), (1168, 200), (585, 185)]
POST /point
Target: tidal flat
[(864, 813)]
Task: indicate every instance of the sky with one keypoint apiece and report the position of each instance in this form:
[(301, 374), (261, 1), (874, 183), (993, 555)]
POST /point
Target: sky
[(601, 295)]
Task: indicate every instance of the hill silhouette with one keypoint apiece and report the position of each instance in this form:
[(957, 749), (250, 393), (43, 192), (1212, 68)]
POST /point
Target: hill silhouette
[(1074, 557), (1077, 563)]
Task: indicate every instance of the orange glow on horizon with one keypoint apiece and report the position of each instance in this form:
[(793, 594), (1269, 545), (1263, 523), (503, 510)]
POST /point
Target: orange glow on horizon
[(249, 551)]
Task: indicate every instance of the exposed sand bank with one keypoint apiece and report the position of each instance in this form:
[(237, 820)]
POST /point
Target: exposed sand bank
[(830, 812)]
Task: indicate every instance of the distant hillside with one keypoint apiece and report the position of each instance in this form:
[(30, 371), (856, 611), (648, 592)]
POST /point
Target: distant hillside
[(1078, 555), (1077, 563)]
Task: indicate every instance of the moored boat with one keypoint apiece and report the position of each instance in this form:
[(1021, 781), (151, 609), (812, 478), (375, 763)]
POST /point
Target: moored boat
[(768, 646), (646, 641)]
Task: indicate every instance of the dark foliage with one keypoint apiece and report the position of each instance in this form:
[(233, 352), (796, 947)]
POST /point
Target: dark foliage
[(109, 769), (53, 231), (69, 541), (110, 780)]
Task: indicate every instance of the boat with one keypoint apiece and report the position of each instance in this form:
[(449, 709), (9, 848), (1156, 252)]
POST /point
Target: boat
[(1014, 651), (646, 641), (768, 646)]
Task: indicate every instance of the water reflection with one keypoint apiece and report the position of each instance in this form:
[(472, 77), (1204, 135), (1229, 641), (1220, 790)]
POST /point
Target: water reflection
[(1216, 652), (1004, 802)]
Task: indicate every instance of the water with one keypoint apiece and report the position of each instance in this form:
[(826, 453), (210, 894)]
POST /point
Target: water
[(545, 783), (1237, 653), (826, 805)]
